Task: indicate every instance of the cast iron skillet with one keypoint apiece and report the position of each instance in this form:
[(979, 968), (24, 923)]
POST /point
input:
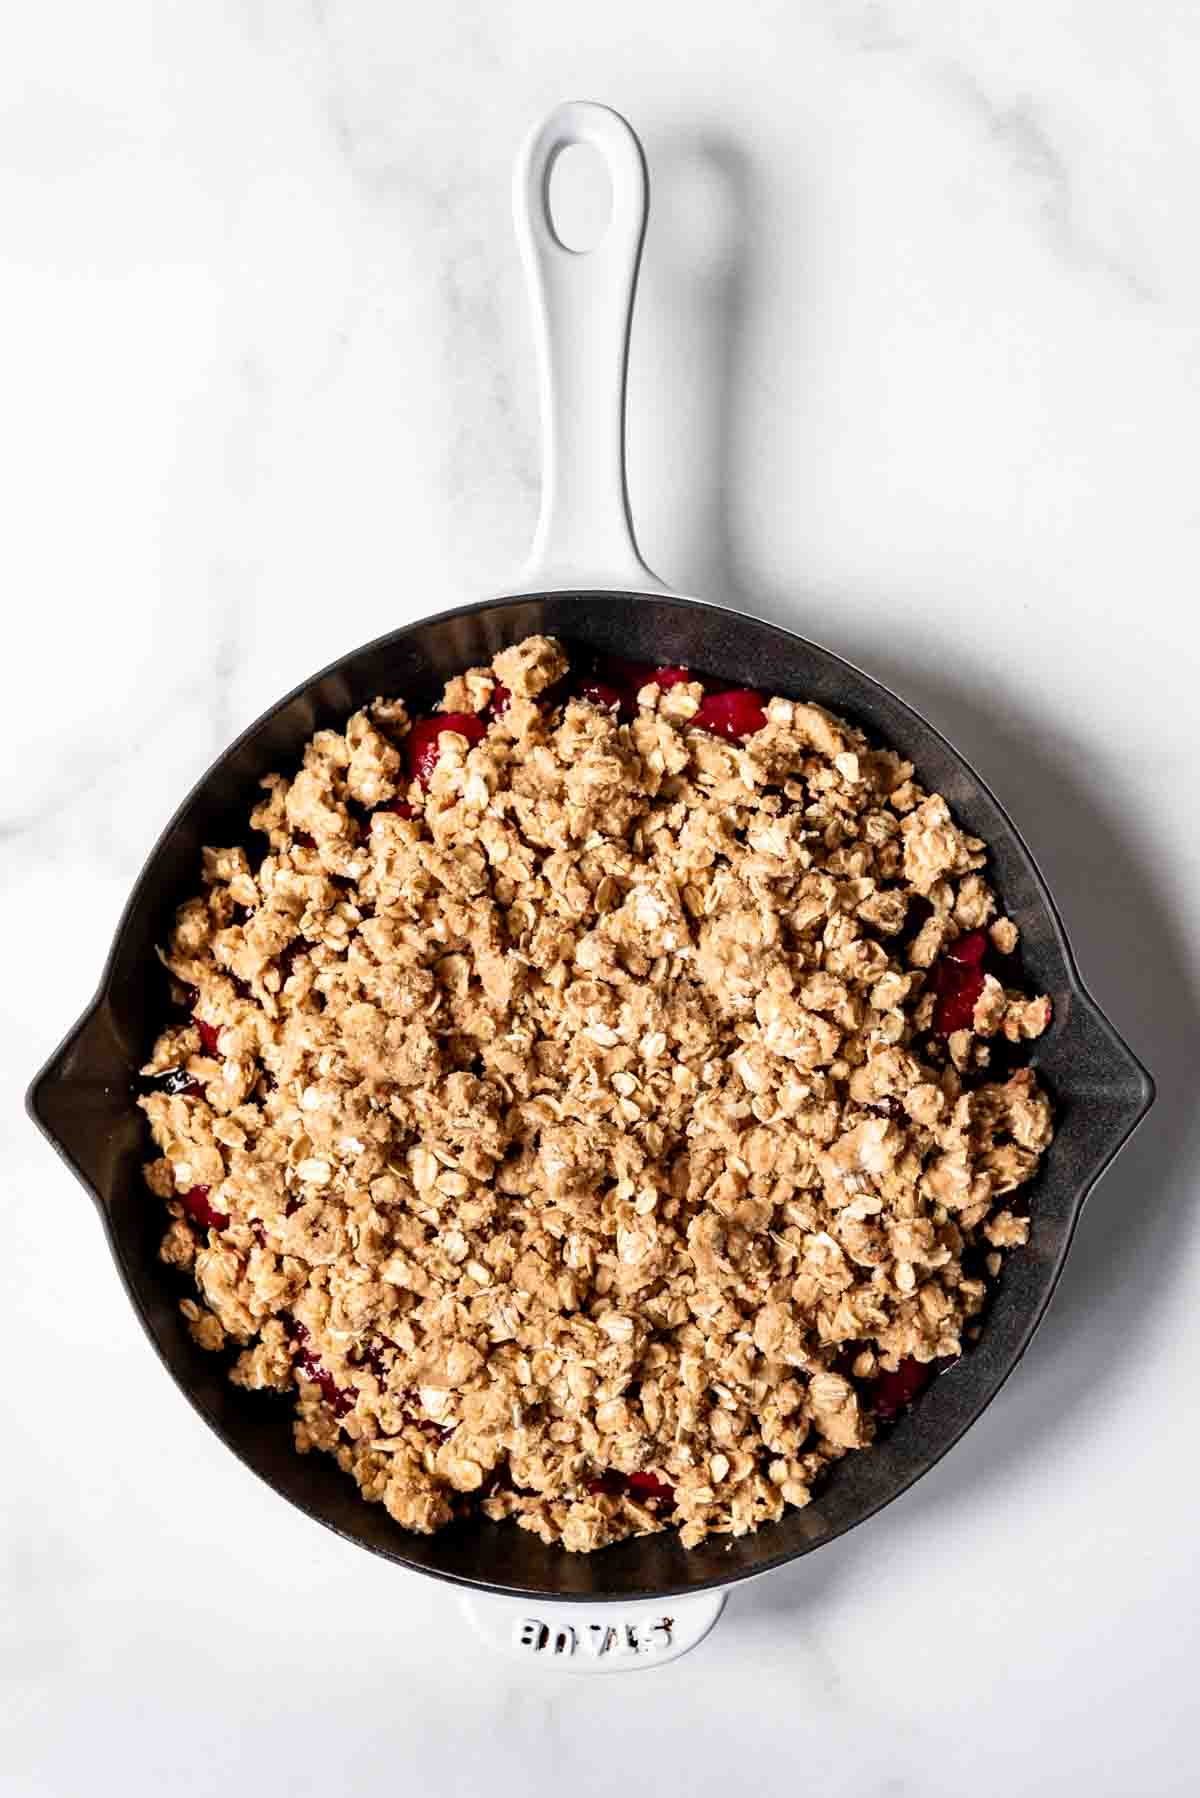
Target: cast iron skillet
[(588, 586)]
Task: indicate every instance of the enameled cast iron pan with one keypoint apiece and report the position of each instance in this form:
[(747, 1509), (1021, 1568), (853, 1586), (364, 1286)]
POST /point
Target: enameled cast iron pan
[(585, 583)]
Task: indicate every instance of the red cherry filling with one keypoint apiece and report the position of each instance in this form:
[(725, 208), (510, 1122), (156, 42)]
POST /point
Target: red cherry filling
[(955, 995), (400, 807), (422, 743), (621, 679), (644, 1487), (307, 1364), (969, 950), (672, 677), (208, 1035), (501, 700), (372, 1357), (734, 715), (599, 693), (611, 1483), (892, 1392), (195, 1203), (616, 684), (956, 981), (617, 681), (648, 1485)]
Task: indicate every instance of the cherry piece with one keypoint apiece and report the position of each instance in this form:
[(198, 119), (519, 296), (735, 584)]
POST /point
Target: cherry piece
[(647, 1488), (501, 700), (372, 1355), (400, 807), (956, 985), (599, 693), (208, 1035), (648, 1485), (893, 1392), (620, 679), (195, 1203), (735, 714), (611, 1483), (339, 1400), (625, 678), (969, 950), (304, 840), (421, 745), (629, 678)]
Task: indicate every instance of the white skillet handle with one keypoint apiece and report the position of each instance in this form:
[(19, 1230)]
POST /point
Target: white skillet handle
[(582, 303), (593, 1638)]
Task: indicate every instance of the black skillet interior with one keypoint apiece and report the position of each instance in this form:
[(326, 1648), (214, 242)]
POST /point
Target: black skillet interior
[(83, 1098)]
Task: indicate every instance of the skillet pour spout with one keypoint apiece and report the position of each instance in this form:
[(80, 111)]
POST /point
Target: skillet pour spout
[(587, 585)]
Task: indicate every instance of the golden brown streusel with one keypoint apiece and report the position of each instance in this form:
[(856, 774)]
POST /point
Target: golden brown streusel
[(587, 1121)]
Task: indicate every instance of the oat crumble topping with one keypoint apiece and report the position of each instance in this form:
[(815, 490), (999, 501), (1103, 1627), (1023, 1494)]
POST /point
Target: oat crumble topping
[(589, 1129)]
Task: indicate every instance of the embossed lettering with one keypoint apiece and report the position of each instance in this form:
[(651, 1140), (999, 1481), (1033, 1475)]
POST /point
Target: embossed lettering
[(599, 1639)]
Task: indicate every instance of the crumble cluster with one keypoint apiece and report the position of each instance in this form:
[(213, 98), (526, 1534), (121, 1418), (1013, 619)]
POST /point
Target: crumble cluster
[(571, 1136)]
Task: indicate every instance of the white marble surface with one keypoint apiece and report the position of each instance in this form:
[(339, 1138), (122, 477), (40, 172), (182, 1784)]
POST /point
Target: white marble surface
[(267, 391)]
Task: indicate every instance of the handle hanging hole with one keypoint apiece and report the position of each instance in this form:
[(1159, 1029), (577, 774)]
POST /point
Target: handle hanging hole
[(579, 197)]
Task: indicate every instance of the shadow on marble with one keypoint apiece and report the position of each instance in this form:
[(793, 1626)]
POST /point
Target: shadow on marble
[(1104, 879)]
